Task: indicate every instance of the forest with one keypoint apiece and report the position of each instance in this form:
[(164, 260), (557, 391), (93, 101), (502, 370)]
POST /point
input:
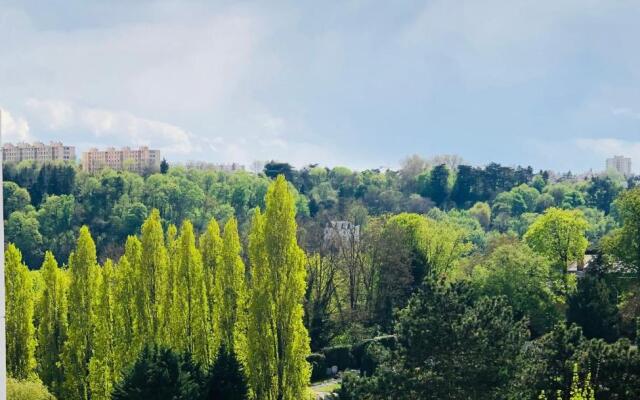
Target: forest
[(438, 280)]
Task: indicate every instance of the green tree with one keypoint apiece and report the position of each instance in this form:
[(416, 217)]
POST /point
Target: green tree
[(230, 292), (559, 235), (78, 347), (152, 277), (211, 250), (525, 280), (191, 320), (127, 341), (278, 343), (161, 374), (21, 341), (23, 230), (624, 243), (52, 326), (15, 198), (226, 378), (102, 371)]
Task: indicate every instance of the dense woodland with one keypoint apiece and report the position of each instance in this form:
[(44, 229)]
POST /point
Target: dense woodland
[(450, 281)]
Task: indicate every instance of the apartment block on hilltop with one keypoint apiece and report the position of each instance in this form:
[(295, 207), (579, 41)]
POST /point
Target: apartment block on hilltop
[(37, 151), (619, 164), (124, 159)]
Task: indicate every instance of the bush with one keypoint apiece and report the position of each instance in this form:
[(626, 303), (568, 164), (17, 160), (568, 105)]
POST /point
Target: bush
[(339, 356), (318, 366), (27, 390)]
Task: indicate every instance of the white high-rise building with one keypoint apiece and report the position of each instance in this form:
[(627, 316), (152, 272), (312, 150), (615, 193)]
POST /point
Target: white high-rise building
[(54, 151), (134, 160), (619, 164)]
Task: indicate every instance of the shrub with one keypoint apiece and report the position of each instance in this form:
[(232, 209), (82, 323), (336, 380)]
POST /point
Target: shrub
[(27, 390), (339, 356), (318, 366)]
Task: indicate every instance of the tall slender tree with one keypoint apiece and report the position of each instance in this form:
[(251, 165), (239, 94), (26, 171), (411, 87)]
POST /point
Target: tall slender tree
[(102, 371), (190, 306), (52, 327), (229, 311), (127, 341), (21, 343), (278, 343), (78, 347), (154, 268), (211, 249)]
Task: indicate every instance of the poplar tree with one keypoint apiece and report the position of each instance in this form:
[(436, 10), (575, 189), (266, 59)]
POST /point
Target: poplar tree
[(21, 343), (127, 342), (171, 243), (78, 347), (230, 292), (190, 306), (211, 250), (278, 343), (102, 372), (154, 266), (52, 328)]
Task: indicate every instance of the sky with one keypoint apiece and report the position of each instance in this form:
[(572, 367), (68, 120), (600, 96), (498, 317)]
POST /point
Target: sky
[(364, 84)]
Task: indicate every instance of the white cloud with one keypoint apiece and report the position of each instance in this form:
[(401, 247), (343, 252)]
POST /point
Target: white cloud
[(607, 147), (112, 127), (14, 129)]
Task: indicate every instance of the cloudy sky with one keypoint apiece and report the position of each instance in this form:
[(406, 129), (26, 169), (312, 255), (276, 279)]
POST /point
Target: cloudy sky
[(554, 84)]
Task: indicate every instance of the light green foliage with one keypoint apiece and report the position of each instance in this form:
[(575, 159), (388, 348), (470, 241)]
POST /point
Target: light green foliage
[(52, 327), (190, 315), (102, 370), (278, 343), (27, 390), (21, 343), (82, 290), (559, 235), (624, 243), (526, 281), (153, 278), (127, 341), (211, 250), (230, 291)]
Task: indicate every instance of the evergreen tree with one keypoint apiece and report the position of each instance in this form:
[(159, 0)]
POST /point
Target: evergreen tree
[(278, 342), (153, 279), (226, 380), (78, 347), (190, 306), (230, 290), (211, 250), (52, 328), (102, 372), (161, 374), (21, 343)]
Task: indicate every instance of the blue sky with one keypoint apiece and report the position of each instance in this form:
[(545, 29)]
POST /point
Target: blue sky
[(553, 84)]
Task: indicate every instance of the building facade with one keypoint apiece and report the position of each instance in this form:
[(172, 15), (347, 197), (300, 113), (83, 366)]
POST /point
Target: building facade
[(125, 159), (339, 234), (619, 164), (37, 151)]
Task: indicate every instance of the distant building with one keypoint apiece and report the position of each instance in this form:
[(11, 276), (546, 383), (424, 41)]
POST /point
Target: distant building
[(40, 152), (338, 233), (206, 166), (619, 164), (124, 159)]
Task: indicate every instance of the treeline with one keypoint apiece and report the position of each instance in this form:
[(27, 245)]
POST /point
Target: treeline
[(80, 328), (46, 204)]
